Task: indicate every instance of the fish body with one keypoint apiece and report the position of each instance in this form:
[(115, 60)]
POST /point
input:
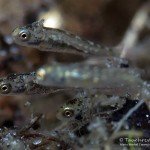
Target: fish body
[(109, 81), (24, 83), (84, 106), (49, 39)]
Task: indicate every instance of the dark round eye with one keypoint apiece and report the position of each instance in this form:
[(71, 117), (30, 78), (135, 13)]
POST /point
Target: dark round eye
[(68, 112), (24, 35), (5, 88)]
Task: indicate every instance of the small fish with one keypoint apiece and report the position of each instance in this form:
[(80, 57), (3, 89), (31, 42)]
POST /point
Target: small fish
[(24, 83), (49, 39), (108, 81), (86, 105)]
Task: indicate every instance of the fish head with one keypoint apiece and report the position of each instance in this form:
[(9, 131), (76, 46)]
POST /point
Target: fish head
[(30, 35), (12, 85)]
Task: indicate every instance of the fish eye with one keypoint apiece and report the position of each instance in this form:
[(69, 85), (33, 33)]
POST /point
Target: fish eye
[(24, 35), (68, 112), (5, 88)]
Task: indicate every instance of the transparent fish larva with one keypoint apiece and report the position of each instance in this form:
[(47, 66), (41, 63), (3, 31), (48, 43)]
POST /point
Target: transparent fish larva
[(56, 40), (86, 105), (24, 83), (109, 81)]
